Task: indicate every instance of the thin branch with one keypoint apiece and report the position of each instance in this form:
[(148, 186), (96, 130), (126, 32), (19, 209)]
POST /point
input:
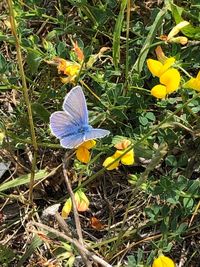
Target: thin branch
[(66, 229), (73, 241), (26, 96), (75, 211)]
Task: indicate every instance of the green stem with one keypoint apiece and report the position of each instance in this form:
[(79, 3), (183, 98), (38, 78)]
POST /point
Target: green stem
[(26, 96), (128, 11)]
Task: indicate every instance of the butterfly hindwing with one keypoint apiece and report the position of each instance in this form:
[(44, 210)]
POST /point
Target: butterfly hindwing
[(72, 141), (95, 133)]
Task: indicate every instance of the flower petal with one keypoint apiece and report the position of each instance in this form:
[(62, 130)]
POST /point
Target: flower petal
[(159, 91), (66, 208), (78, 51), (128, 158), (171, 79), (83, 154), (154, 66), (82, 202), (108, 161), (89, 144), (163, 261), (123, 144), (160, 54), (198, 76), (177, 29), (193, 83), (168, 63), (180, 40)]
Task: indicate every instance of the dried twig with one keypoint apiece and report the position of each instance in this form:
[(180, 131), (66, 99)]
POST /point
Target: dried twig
[(194, 214), (76, 215), (74, 241), (65, 227)]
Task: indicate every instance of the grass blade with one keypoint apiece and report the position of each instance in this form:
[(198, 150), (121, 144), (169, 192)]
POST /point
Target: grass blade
[(116, 35), (24, 179), (36, 242), (138, 66)]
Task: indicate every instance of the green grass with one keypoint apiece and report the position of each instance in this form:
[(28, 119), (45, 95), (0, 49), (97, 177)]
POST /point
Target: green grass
[(144, 209)]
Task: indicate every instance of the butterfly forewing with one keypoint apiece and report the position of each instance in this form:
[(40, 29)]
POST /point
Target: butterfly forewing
[(75, 105)]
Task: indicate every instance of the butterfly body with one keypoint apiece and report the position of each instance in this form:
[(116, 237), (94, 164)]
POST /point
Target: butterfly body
[(71, 126)]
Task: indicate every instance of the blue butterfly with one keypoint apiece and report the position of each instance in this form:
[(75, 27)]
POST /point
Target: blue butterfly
[(71, 125)]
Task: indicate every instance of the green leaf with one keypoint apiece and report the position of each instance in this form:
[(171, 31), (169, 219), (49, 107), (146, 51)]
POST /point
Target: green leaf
[(53, 34), (24, 179), (143, 120), (188, 203), (181, 229), (3, 64), (6, 255), (150, 116), (189, 31), (117, 33), (41, 112), (33, 60), (35, 243), (171, 161), (138, 66)]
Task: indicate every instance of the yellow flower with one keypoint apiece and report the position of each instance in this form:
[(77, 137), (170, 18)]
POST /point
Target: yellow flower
[(180, 39), (169, 77), (82, 202), (69, 68), (163, 261), (82, 152), (193, 83), (127, 159), (108, 161)]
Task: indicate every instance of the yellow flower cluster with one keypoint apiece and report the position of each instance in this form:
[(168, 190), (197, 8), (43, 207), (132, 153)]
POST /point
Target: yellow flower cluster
[(169, 77), (126, 159)]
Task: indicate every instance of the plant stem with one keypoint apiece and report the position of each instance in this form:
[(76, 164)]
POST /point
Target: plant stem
[(128, 11), (26, 96)]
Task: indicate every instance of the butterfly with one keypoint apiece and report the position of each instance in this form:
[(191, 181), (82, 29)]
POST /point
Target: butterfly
[(71, 126)]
